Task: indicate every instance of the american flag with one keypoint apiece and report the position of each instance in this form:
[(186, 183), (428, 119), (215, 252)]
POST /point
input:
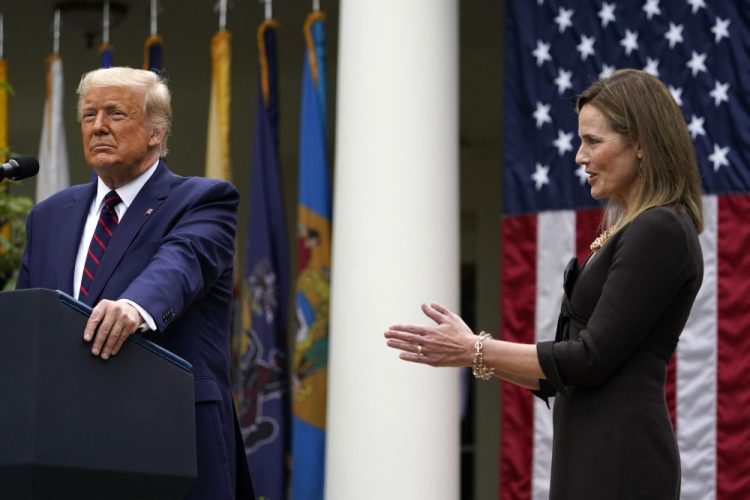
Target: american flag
[(701, 50)]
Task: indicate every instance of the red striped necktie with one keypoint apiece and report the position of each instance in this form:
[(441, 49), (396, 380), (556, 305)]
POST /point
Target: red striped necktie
[(105, 227)]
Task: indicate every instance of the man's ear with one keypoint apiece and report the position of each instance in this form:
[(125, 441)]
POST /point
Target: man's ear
[(156, 137)]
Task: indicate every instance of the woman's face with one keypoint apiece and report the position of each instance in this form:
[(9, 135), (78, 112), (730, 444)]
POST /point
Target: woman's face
[(608, 158)]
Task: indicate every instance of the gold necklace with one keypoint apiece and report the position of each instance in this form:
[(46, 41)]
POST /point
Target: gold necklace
[(600, 240)]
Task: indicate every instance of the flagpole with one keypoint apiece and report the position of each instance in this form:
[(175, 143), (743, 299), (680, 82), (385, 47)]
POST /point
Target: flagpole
[(269, 9), (316, 5), (105, 24), (56, 33), (154, 18), (2, 35), (222, 15)]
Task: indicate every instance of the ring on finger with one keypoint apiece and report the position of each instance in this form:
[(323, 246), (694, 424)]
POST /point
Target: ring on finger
[(419, 350)]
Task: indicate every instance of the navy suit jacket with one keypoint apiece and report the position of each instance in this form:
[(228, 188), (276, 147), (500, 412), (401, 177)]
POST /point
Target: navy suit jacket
[(172, 254)]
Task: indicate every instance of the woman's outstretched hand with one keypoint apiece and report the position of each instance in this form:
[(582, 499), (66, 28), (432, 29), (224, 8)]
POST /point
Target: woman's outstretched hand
[(450, 342)]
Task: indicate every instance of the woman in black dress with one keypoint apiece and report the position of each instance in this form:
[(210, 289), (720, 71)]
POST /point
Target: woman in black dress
[(622, 312)]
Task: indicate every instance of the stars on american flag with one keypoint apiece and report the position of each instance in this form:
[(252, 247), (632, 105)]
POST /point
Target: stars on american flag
[(695, 127), (541, 114), (563, 81), (607, 14), (651, 8), (719, 93), (697, 4), (652, 67), (674, 41), (697, 63), (582, 175), (564, 142), (630, 42), (606, 71), (720, 29), (564, 19), (586, 47), (676, 94), (674, 35), (540, 176), (719, 157), (541, 52)]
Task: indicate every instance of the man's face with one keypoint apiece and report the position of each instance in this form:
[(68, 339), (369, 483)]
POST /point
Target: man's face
[(117, 142)]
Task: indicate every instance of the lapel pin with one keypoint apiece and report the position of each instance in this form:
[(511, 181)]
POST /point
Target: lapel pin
[(149, 211)]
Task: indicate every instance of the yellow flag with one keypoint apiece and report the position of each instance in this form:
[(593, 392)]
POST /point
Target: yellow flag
[(218, 163)]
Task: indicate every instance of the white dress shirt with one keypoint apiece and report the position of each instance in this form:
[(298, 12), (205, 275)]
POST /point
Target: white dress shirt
[(127, 194)]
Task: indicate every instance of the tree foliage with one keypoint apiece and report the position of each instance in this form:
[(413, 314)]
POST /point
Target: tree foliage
[(13, 212)]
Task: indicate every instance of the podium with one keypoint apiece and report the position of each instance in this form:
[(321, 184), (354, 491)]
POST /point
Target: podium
[(73, 426)]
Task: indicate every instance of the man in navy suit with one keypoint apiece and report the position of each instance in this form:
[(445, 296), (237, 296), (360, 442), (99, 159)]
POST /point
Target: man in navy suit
[(150, 251)]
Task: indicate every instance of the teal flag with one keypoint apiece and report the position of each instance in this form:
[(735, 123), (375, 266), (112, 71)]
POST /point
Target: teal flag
[(310, 356)]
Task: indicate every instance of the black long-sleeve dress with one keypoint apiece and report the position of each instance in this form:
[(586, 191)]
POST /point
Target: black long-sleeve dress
[(619, 326)]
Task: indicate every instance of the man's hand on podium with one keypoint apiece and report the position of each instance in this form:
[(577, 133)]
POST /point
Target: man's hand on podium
[(110, 323)]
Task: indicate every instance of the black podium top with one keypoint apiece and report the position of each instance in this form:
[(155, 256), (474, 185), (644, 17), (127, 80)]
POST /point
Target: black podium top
[(75, 426)]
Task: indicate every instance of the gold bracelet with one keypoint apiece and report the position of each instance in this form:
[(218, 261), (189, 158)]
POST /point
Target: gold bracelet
[(478, 368)]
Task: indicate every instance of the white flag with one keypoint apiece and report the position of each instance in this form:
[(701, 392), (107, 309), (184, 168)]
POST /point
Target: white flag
[(53, 151)]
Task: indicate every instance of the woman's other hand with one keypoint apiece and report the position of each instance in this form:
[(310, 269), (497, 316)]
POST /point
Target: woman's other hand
[(450, 342)]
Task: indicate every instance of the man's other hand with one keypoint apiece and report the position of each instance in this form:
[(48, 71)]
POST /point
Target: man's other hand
[(110, 323)]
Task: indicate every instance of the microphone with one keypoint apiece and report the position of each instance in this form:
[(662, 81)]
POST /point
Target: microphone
[(19, 168)]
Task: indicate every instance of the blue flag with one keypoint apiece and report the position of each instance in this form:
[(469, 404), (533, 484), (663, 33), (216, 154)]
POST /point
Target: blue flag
[(262, 381), (153, 54), (312, 290), (106, 55)]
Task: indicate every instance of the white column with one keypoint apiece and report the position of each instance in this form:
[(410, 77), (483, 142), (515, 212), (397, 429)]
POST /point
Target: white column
[(393, 427)]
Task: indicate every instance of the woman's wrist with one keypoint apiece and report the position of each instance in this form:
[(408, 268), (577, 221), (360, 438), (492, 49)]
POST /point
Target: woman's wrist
[(478, 368)]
